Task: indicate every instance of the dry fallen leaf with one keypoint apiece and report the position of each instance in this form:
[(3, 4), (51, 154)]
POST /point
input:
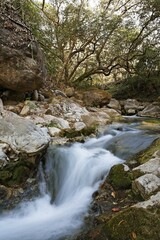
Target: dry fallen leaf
[(134, 236), (115, 209), (113, 194)]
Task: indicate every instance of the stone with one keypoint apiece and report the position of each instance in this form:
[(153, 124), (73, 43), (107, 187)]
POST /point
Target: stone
[(114, 104), (152, 166), (56, 122), (146, 185), (150, 111), (5, 193), (25, 110), (96, 119), (114, 114), (69, 91), (131, 111), (20, 174), (35, 95), (59, 93), (28, 107), (41, 97), (131, 106), (53, 131), (20, 54), (1, 106), (96, 97), (149, 152), (3, 157), (21, 134), (5, 175), (73, 110), (153, 201), (79, 126), (157, 154), (120, 176)]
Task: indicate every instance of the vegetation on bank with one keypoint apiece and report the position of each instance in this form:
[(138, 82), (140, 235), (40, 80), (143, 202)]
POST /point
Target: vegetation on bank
[(120, 43)]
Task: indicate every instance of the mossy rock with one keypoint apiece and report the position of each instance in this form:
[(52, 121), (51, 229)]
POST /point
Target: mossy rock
[(20, 174), (146, 155), (134, 223), (151, 123), (119, 178), (5, 175)]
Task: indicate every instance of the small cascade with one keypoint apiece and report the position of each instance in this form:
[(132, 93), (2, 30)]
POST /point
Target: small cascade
[(70, 177)]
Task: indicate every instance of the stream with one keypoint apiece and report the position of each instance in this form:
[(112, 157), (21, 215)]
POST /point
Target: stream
[(68, 180)]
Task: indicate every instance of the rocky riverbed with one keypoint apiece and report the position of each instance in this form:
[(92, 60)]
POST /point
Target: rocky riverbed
[(131, 191)]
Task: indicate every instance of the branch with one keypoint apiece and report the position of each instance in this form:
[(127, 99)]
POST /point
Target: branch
[(18, 23), (43, 4)]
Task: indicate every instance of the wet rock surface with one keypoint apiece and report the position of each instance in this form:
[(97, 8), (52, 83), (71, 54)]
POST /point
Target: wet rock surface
[(121, 212)]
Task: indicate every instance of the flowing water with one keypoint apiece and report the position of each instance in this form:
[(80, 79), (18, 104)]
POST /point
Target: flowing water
[(72, 174)]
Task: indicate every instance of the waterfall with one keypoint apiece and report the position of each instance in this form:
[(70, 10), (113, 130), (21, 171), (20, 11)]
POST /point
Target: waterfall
[(71, 176)]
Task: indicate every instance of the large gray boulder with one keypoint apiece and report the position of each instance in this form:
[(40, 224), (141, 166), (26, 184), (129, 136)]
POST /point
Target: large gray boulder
[(22, 135), (22, 145)]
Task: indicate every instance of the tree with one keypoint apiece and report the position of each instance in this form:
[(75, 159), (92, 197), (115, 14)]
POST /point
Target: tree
[(79, 43)]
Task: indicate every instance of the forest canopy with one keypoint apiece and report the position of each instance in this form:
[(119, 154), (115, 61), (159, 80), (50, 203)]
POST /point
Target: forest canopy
[(119, 38)]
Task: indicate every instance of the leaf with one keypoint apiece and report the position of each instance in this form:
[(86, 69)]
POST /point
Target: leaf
[(116, 209), (134, 236), (113, 194)]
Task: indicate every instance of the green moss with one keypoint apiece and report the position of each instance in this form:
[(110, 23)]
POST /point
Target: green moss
[(21, 173), (5, 175), (119, 178), (134, 223), (146, 155), (151, 121), (53, 124)]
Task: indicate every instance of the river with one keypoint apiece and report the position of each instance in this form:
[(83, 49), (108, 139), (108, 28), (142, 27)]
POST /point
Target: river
[(70, 176)]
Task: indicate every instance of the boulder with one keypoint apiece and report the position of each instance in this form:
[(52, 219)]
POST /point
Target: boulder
[(114, 114), (152, 166), (114, 104), (146, 185), (28, 108), (153, 201), (53, 131), (22, 144), (150, 111), (79, 126), (21, 134), (96, 119), (96, 97), (120, 176), (56, 122), (19, 54), (131, 106)]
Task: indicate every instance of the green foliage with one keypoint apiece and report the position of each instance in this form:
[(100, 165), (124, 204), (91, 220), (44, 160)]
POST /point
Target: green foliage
[(79, 43)]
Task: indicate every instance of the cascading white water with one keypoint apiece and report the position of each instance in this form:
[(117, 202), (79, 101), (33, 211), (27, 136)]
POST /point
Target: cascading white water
[(73, 174)]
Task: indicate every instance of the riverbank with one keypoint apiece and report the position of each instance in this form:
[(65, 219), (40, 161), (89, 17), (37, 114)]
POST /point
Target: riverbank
[(62, 120)]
